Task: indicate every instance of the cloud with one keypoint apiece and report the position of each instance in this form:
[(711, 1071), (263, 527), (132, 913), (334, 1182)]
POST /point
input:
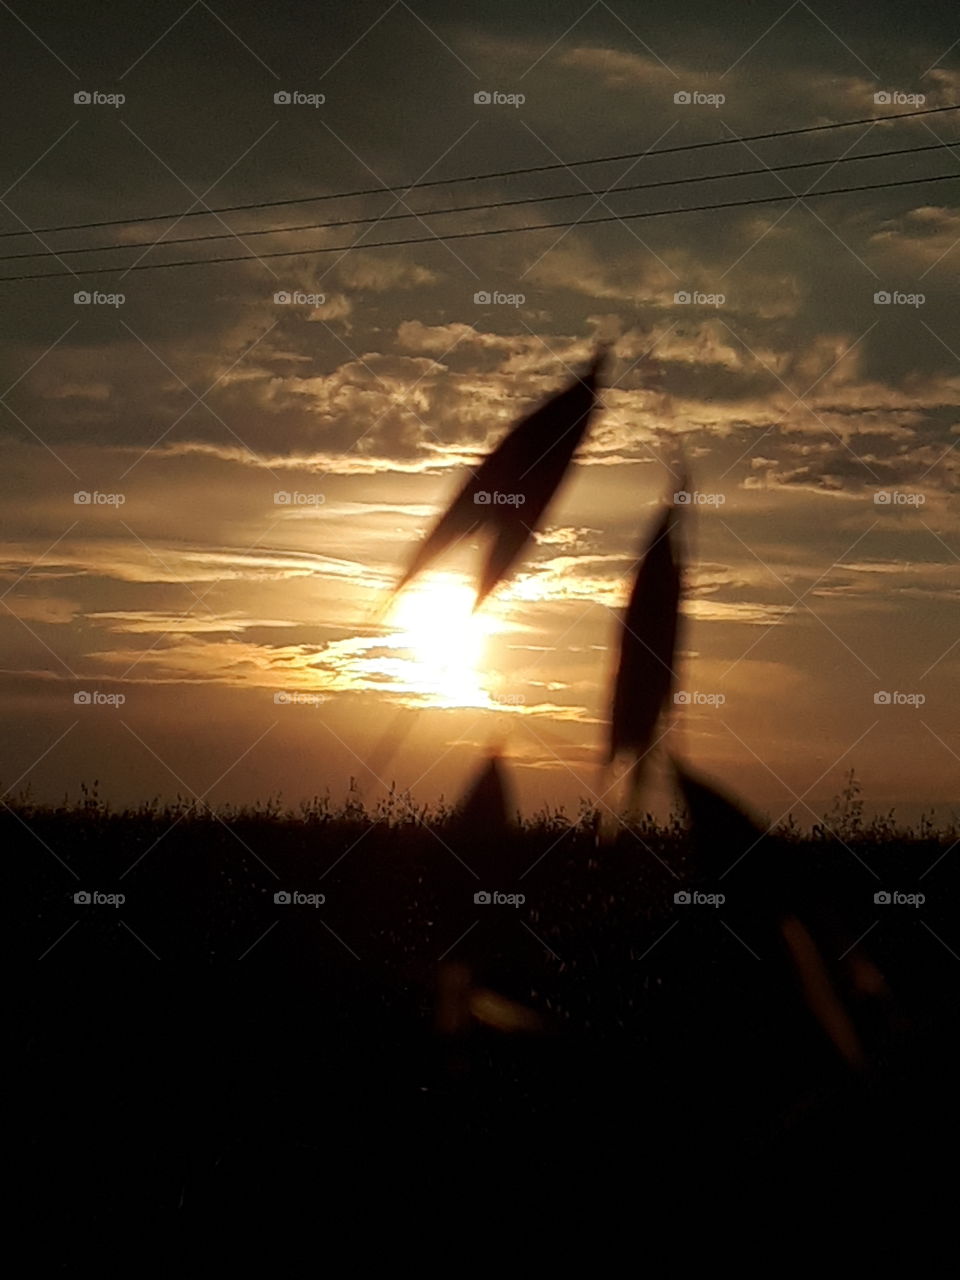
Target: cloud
[(152, 622), (924, 237), (50, 609), (719, 611), (335, 306), (127, 560), (380, 273)]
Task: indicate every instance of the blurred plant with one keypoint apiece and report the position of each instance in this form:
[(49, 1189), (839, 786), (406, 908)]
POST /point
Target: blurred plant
[(525, 470), (648, 642)]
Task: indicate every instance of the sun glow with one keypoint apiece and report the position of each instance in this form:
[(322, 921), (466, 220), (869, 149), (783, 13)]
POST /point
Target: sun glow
[(446, 642)]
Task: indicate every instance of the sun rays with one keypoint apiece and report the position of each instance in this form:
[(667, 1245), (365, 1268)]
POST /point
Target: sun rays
[(444, 643)]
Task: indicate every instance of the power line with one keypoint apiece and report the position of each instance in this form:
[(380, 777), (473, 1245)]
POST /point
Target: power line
[(491, 231), (407, 187), (485, 206)]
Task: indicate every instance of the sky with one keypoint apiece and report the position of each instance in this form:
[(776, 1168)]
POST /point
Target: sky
[(229, 644)]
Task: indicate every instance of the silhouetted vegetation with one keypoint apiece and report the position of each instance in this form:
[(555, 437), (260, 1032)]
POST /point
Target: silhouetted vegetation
[(230, 1049)]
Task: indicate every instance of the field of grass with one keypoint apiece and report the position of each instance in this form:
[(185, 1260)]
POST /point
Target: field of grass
[(202, 1049)]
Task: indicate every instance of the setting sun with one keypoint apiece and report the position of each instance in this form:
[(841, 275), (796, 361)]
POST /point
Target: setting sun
[(446, 642)]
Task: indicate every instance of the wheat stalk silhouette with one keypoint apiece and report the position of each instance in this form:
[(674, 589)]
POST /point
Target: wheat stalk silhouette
[(531, 462)]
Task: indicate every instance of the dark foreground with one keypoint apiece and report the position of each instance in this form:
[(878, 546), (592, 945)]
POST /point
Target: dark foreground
[(203, 1056)]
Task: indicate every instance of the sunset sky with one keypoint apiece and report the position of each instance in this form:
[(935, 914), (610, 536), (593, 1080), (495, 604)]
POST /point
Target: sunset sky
[(798, 398)]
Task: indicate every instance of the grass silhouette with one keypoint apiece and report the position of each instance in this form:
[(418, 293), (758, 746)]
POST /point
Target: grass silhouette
[(233, 1056)]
